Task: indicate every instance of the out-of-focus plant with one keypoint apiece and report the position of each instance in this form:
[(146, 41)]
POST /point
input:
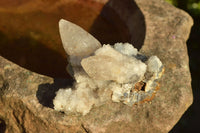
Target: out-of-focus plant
[(173, 2), (191, 6), (194, 8)]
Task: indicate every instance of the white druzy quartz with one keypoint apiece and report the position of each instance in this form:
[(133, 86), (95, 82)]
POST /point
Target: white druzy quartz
[(109, 64), (67, 100), (126, 48), (154, 64), (119, 73)]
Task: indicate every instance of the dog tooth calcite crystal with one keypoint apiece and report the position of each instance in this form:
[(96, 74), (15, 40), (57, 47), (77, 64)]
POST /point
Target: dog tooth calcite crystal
[(76, 41), (119, 73)]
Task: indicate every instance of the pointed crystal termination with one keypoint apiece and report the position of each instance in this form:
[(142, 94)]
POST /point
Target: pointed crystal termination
[(76, 41), (112, 72), (118, 72)]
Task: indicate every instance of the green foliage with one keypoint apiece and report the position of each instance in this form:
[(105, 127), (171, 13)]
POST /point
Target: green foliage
[(173, 2), (194, 8), (191, 6)]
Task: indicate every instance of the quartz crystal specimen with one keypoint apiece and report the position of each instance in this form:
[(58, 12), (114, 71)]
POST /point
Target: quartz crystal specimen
[(76, 41), (109, 64), (119, 73)]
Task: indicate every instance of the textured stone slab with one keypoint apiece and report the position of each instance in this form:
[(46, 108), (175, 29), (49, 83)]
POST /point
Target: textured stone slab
[(25, 108)]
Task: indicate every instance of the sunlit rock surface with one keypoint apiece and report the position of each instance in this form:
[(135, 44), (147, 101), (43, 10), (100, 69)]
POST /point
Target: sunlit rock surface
[(118, 73), (26, 97)]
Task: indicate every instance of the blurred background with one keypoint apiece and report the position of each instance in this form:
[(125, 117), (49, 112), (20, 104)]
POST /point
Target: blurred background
[(190, 121)]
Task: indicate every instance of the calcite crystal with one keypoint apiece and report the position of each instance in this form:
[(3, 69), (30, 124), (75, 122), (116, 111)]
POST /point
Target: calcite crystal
[(109, 64), (119, 73), (76, 41)]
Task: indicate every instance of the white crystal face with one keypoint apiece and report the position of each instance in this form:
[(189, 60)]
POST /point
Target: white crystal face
[(126, 48), (74, 101), (118, 73), (154, 64), (76, 41), (109, 64)]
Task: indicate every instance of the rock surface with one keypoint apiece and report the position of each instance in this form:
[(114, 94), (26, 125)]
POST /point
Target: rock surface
[(25, 97)]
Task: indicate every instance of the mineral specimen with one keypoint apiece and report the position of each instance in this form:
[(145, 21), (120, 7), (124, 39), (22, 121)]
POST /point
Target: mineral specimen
[(109, 64), (118, 73), (76, 41)]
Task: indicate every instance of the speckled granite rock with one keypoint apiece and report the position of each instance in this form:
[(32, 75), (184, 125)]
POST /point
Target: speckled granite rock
[(26, 97)]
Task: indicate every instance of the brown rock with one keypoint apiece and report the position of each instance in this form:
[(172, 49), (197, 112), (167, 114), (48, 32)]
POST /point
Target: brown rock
[(26, 97)]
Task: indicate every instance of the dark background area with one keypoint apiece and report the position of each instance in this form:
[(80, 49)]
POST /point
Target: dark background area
[(190, 121)]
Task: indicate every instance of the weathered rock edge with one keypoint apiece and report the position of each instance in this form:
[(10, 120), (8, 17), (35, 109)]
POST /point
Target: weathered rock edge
[(167, 30)]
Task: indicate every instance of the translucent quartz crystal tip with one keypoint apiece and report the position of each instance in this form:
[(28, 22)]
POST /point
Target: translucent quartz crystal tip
[(76, 41), (119, 73)]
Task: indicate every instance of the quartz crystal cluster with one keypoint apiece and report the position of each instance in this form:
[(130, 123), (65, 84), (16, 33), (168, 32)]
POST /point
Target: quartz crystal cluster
[(119, 73)]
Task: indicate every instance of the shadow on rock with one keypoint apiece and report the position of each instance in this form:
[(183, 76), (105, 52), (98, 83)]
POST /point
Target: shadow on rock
[(47, 92), (33, 55), (2, 126), (124, 23)]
